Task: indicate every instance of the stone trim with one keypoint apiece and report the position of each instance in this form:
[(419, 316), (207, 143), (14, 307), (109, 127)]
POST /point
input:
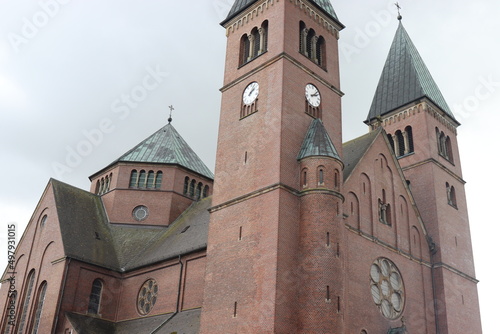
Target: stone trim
[(421, 107), (271, 61), (247, 16), (332, 27)]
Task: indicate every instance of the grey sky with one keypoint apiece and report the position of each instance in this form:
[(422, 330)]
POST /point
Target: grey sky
[(81, 82)]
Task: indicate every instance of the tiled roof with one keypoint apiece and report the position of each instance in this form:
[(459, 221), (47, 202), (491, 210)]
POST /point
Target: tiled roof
[(89, 237), (355, 149), (240, 5), (317, 142), (186, 322), (404, 79), (166, 146)]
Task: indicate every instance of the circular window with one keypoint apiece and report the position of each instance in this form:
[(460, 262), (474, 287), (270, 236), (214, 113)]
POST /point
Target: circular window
[(140, 213), (387, 288), (147, 296)]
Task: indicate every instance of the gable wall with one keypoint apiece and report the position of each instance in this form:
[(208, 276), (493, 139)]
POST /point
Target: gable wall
[(40, 249), (368, 239)]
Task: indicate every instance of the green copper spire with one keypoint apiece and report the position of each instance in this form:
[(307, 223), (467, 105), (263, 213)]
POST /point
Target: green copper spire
[(404, 79)]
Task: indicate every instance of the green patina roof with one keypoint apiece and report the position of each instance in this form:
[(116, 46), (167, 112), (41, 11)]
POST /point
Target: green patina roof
[(166, 146), (317, 142), (240, 5), (404, 79)]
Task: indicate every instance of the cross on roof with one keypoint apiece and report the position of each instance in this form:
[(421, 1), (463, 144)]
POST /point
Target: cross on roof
[(171, 107), (399, 10)]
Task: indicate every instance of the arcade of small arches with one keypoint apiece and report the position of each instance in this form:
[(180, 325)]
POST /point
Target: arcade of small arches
[(145, 180), (312, 46), (102, 186), (402, 142), (321, 180), (444, 145), (195, 190), (253, 44)]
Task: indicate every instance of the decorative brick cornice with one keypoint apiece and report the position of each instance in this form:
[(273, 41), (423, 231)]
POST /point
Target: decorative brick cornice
[(248, 15), (259, 8), (421, 107), (332, 27)]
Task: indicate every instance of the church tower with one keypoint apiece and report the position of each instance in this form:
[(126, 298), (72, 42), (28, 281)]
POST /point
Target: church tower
[(423, 133), (277, 158)]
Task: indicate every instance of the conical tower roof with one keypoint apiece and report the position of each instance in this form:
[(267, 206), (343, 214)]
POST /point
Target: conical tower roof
[(404, 79), (240, 5), (166, 146), (317, 142)]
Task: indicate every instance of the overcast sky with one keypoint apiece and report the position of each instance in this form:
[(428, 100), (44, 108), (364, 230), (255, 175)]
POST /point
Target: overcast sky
[(67, 69)]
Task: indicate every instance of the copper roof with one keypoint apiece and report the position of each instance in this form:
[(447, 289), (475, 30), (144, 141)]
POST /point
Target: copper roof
[(166, 146), (404, 79), (317, 142)]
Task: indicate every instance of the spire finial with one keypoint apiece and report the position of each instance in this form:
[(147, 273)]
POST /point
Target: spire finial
[(171, 107), (399, 11)]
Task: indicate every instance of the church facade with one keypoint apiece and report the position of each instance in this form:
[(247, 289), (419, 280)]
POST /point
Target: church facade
[(295, 232)]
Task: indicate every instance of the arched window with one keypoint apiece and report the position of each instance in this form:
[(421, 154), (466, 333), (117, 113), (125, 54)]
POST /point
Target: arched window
[(186, 185), (110, 179), (244, 49), (449, 152), (205, 191), (409, 141), (159, 176), (39, 308), (106, 184), (400, 144), (199, 189), (98, 187), (304, 177), (133, 179), (442, 144), (321, 176), (311, 45), (254, 44), (192, 186), (391, 141), (336, 179), (320, 52), (151, 179), (95, 297), (26, 302), (142, 179), (451, 195)]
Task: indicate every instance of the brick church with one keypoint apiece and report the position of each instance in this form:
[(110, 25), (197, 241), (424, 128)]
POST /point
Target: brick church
[(297, 232)]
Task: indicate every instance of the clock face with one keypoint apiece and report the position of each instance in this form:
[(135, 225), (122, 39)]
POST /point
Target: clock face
[(251, 92), (312, 95)]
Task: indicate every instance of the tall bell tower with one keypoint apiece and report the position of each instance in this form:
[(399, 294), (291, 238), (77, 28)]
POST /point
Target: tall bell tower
[(423, 133), (278, 156)]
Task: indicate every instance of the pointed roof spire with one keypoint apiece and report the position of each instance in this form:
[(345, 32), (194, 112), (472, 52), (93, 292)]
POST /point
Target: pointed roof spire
[(404, 79), (317, 142), (166, 146), (240, 5)]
